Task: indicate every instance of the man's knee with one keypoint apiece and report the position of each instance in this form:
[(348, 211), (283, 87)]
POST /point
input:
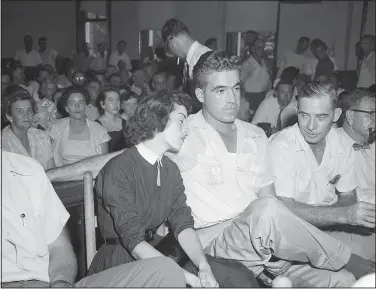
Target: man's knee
[(341, 278), (265, 206), (170, 272)]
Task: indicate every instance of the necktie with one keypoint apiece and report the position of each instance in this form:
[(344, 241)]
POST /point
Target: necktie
[(186, 77), (362, 146), (159, 165), (279, 120)]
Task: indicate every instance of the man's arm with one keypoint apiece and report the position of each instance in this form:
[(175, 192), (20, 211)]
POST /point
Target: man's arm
[(62, 260), (75, 171)]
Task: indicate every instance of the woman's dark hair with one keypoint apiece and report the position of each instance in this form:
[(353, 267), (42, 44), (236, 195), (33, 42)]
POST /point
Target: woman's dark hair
[(17, 95), (127, 95), (73, 89), (153, 113), (103, 94)]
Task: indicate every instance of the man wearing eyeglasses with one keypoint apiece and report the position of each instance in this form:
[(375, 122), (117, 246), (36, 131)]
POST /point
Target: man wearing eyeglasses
[(367, 68), (315, 172), (357, 134)]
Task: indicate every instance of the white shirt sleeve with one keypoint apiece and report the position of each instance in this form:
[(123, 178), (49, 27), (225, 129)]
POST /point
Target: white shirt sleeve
[(260, 114), (284, 168)]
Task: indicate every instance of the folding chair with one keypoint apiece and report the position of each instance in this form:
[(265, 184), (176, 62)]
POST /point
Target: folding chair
[(90, 219)]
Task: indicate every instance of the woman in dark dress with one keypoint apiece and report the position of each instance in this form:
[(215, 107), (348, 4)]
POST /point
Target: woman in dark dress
[(108, 103), (141, 189)]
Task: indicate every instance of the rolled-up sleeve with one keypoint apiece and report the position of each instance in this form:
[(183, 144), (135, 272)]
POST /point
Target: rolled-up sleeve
[(180, 217), (118, 193), (284, 169), (262, 170)]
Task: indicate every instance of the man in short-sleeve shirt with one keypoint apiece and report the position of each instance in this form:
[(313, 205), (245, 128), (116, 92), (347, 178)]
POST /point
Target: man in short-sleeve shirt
[(36, 251), (226, 170), (314, 171)]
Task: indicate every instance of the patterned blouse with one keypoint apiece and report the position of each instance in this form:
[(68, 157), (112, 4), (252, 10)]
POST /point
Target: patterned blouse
[(45, 112), (39, 141)]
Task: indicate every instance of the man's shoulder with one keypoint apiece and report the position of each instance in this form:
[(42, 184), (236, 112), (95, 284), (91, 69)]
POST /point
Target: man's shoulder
[(21, 165), (287, 136), (251, 129)]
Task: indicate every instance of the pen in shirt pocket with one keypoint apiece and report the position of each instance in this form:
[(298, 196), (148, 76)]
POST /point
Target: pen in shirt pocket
[(334, 180)]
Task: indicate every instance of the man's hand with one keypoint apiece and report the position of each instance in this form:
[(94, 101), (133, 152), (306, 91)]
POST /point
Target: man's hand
[(206, 276), (361, 214), (192, 280)]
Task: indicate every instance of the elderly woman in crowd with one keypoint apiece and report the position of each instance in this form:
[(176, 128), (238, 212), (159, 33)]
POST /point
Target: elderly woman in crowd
[(20, 137), (108, 103), (76, 137), (141, 188)]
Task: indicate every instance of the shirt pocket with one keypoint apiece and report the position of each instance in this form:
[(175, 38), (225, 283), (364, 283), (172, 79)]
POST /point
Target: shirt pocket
[(209, 170)]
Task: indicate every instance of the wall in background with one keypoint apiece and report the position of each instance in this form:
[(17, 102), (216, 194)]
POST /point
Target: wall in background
[(55, 20)]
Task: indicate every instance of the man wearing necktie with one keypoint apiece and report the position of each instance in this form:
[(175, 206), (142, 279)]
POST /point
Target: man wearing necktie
[(176, 36), (317, 174)]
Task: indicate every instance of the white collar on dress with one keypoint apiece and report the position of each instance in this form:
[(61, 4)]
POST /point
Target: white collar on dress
[(150, 156)]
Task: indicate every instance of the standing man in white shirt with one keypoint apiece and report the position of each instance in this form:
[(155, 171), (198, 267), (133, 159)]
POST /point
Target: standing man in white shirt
[(176, 36), (120, 54), (255, 75), (358, 137), (280, 110), (28, 56), (229, 183), (367, 68), (296, 58), (47, 54)]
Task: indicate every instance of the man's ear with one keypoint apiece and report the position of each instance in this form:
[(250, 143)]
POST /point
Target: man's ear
[(199, 94), (337, 114), (350, 117), (9, 118)]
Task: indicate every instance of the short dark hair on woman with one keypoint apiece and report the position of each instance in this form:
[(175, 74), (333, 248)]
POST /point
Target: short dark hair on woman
[(102, 96), (153, 113), (73, 89), (18, 95)]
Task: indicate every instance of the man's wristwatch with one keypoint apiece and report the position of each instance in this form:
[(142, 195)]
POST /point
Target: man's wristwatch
[(69, 284)]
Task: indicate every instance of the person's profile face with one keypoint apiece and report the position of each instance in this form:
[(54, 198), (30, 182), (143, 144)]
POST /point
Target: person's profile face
[(258, 48), (159, 82), (174, 47), (315, 118), (221, 95), (176, 129), (364, 121)]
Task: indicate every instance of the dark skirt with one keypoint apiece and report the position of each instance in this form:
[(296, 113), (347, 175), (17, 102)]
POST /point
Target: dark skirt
[(229, 273)]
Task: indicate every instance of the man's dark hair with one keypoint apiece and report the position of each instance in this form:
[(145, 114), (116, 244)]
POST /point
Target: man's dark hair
[(103, 94), (290, 73), (318, 42), (173, 27), (73, 89), (122, 41), (153, 113), (210, 41), (17, 95), (303, 38), (319, 90), (42, 39), (284, 81), (213, 61)]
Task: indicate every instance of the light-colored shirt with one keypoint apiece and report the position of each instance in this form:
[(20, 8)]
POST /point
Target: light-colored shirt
[(254, 75), (115, 57), (269, 109), (45, 112), (194, 54), (367, 71), (364, 167), (32, 218), (99, 62), (292, 59), (219, 185), (59, 132), (298, 175), (48, 57), (310, 67), (39, 141), (28, 59)]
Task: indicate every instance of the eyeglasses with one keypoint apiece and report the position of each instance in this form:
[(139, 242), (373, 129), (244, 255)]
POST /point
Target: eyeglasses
[(371, 113)]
